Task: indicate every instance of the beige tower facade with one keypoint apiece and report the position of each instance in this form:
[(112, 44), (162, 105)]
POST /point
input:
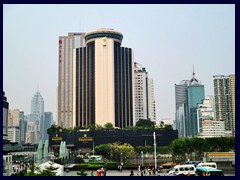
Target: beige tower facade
[(103, 81), (66, 45), (232, 91)]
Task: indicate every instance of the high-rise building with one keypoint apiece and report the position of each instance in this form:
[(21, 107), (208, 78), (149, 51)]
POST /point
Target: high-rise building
[(224, 92), (195, 96), (5, 117), (13, 117), (66, 44), (14, 134), (205, 111), (181, 107), (211, 128), (32, 129), (22, 127), (188, 94), (103, 88), (232, 92), (37, 112), (47, 123), (144, 94)]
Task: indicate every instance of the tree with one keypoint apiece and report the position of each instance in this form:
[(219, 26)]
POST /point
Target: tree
[(98, 127), (145, 123), (161, 125), (168, 127), (108, 126), (103, 149)]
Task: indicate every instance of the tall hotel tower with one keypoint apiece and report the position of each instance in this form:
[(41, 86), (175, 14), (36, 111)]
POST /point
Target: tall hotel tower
[(66, 44), (103, 81)]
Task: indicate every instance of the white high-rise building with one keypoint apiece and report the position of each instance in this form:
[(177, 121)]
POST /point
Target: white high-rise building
[(205, 111), (211, 128), (14, 134), (144, 94)]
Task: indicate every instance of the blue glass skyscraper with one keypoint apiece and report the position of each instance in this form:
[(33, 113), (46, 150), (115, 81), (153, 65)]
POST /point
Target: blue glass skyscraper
[(195, 95)]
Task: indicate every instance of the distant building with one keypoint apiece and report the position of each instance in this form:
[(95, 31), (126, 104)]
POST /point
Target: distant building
[(5, 117), (188, 94), (37, 112), (224, 91), (195, 95), (47, 123), (205, 111), (14, 134), (32, 129), (181, 107), (13, 117), (211, 128), (22, 127), (144, 94)]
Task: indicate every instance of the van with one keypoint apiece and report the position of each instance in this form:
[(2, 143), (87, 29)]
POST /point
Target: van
[(208, 164), (208, 171), (185, 169)]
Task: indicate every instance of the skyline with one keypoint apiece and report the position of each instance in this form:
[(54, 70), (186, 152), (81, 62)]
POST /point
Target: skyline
[(167, 40)]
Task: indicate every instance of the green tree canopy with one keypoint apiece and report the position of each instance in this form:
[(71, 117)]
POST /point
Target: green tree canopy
[(108, 126), (145, 123)]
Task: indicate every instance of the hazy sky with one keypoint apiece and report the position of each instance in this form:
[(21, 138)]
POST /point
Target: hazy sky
[(167, 40)]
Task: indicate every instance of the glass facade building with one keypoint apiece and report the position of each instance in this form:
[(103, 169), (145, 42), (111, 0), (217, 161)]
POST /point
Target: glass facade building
[(188, 94), (195, 96)]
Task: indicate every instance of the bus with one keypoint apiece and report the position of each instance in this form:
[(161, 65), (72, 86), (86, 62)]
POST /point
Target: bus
[(208, 171)]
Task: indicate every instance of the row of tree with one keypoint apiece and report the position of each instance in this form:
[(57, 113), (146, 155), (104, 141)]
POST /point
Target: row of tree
[(180, 149), (140, 125)]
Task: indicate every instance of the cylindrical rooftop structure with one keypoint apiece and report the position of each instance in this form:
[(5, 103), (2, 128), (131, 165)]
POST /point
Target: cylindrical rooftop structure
[(103, 32)]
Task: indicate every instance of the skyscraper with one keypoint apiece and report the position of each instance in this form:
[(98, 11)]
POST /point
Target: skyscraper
[(103, 88), (195, 96), (144, 94), (181, 107), (66, 44), (224, 92), (188, 95), (37, 112)]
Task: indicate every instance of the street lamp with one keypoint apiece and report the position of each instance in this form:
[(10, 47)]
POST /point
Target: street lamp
[(121, 159), (155, 159), (142, 157)]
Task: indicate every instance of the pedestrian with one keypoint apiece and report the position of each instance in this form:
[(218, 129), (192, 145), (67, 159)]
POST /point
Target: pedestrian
[(131, 174), (142, 172), (98, 172)]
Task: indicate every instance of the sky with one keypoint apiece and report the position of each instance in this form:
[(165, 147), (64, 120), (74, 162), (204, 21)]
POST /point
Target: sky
[(167, 40)]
